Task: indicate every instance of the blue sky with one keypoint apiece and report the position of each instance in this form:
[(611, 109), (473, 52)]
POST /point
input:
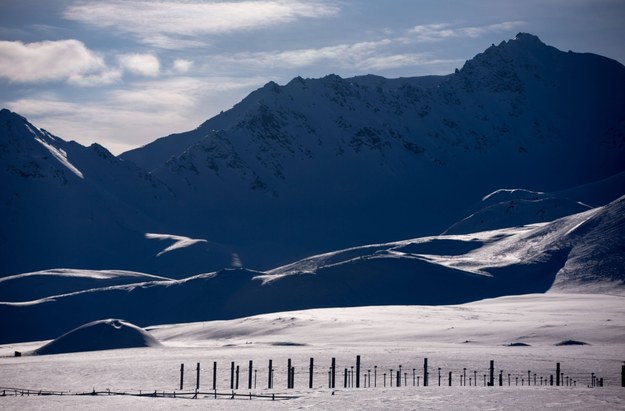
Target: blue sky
[(124, 72)]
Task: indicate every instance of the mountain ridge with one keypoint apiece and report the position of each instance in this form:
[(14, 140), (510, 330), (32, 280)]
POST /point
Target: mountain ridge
[(317, 165)]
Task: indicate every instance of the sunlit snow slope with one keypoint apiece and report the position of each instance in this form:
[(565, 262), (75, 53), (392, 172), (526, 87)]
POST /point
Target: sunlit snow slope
[(580, 253)]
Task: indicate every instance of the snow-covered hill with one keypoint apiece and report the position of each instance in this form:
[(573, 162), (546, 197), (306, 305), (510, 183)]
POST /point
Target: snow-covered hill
[(100, 335), (318, 165), (582, 253)]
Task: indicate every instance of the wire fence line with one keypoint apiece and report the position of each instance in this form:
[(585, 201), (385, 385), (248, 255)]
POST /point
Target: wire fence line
[(195, 394), (349, 375)]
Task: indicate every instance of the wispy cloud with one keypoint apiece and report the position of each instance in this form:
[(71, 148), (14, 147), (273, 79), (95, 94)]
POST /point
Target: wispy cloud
[(146, 65), (443, 31), (144, 110), (175, 23), (64, 60), (355, 57)]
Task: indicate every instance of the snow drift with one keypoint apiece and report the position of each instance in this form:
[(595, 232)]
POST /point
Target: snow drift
[(41, 284), (100, 335)]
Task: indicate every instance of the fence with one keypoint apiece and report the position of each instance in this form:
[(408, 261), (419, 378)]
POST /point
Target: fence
[(11, 391), (353, 376)]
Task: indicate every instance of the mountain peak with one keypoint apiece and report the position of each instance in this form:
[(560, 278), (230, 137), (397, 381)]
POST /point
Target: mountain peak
[(528, 38), (8, 115)]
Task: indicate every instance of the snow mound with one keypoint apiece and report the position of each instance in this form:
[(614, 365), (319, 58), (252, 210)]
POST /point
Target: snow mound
[(100, 335), (570, 342)]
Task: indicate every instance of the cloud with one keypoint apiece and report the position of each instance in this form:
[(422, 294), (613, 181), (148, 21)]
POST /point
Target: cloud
[(182, 65), (102, 78), (356, 57), (132, 115), (443, 31), (141, 64), (346, 54), (177, 23), (63, 60)]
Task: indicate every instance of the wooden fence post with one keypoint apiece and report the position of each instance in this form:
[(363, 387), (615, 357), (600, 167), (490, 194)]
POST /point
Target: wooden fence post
[(270, 377), (250, 367), (557, 374), (623, 375), (358, 371), (181, 376), (450, 378), (425, 372), (492, 373), (310, 373), (288, 374), (214, 375), (375, 376), (237, 382), (197, 377), (232, 375), (333, 370), (345, 378)]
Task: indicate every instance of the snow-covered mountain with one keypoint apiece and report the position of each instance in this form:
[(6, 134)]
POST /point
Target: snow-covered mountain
[(581, 253), (324, 163), (318, 165), (66, 205)]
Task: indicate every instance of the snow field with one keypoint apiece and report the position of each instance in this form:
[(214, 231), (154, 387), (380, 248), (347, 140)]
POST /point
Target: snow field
[(451, 337)]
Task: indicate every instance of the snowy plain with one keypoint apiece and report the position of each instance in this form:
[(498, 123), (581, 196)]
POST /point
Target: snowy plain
[(451, 337)]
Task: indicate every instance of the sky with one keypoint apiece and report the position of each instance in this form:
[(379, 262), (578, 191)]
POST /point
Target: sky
[(125, 72)]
